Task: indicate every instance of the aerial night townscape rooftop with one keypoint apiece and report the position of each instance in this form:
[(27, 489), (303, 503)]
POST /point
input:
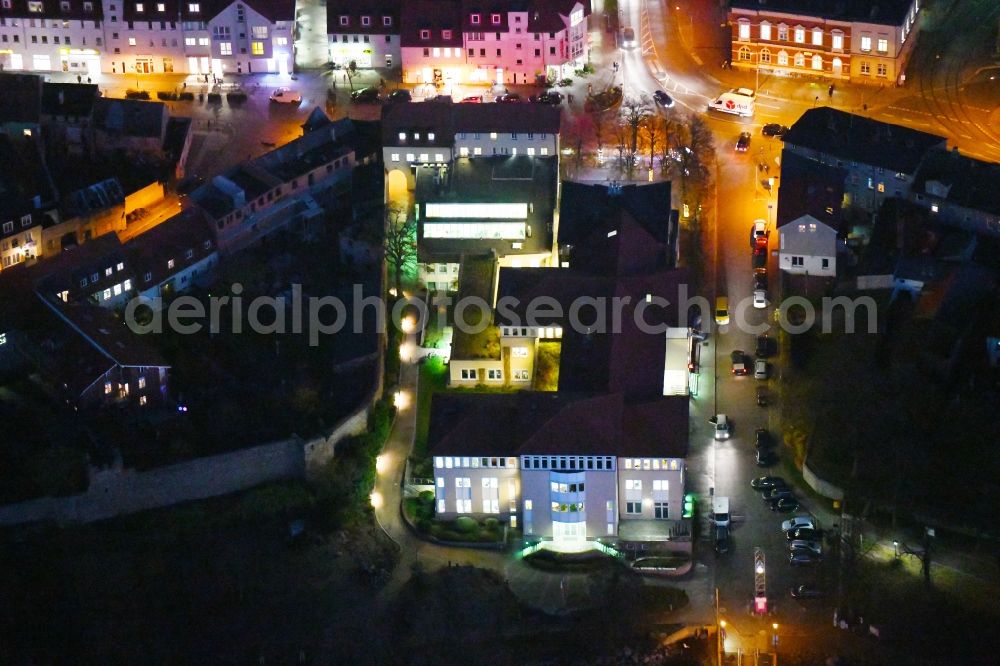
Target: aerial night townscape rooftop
[(499, 332)]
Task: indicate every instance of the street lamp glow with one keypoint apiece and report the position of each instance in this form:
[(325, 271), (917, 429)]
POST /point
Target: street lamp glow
[(407, 325), (376, 499), (400, 399), (760, 568), (380, 464), (722, 623), (406, 351), (775, 626)]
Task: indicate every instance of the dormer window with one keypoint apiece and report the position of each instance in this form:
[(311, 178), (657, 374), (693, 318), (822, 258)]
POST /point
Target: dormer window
[(35, 7), (474, 19), (402, 136), (88, 7), (345, 20), (160, 7), (425, 34), (366, 20), (170, 264), (386, 20), (64, 6), (495, 19), (139, 8), (430, 136), (800, 34), (446, 34), (194, 7)]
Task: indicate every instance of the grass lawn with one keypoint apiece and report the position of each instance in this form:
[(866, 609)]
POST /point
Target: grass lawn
[(547, 366), (433, 379)]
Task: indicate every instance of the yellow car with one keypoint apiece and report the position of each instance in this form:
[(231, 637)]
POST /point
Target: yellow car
[(722, 311)]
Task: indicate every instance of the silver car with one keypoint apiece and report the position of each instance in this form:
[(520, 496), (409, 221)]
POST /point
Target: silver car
[(814, 547)]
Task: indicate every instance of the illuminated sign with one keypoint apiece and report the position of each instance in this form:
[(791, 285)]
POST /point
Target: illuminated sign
[(494, 211), (89, 52), (476, 230)]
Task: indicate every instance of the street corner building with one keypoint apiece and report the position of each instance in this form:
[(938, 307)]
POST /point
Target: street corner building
[(842, 40)]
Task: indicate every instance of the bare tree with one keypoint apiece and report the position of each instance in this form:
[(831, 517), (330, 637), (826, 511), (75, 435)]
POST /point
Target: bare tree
[(652, 129), (599, 119), (576, 133), (400, 242), (634, 113), (621, 133)]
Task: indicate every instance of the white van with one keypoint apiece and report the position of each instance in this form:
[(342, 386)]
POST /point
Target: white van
[(720, 511), (739, 102), (628, 38)]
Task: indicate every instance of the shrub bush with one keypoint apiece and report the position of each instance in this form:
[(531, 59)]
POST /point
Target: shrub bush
[(186, 97), (491, 524), (465, 524), (565, 82), (236, 97), (215, 98)]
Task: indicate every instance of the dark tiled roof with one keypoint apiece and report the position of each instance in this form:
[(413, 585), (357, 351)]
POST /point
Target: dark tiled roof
[(67, 270), (546, 15), (53, 9), (150, 10), (98, 196), (853, 138), (130, 117), (617, 234), (109, 335), (971, 183), (355, 9), (273, 10), (68, 99), (20, 98), (629, 360), (810, 188), (563, 423), (448, 119), (883, 12), (172, 239), (177, 132), (19, 186), (433, 15)]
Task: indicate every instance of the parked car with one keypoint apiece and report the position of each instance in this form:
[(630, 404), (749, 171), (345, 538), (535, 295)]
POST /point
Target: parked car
[(722, 310), (807, 591), (814, 547), (739, 360), (803, 533), (400, 95), (759, 299), (721, 539), (663, 99), (766, 458), (762, 396), (762, 348), (286, 96), (366, 96), (801, 558), (743, 142), (723, 426), (508, 98), (767, 482), (762, 439), (760, 369), (773, 129), (785, 505), (797, 522), (777, 494), (760, 278), (472, 99), (759, 259), (553, 97)]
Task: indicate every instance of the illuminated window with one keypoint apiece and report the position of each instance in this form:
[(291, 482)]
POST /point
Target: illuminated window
[(493, 135), (194, 7), (764, 56), (782, 32), (883, 45), (881, 187), (439, 157), (107, 294), (837, 38), (225, 48), (817, 62), (866, 43), (35, 7), (259, 31), (107, 388), (817, 37), (410, 157), (203, 41), (527, 505), (883, 70), (430, 136), (394, 157), (257, 48), (131, 41), (142, 382), (765, 30), (160, 7), (800, 34), (170, 264), (744, 29), (519, 352), (800, 60), (139, 8)]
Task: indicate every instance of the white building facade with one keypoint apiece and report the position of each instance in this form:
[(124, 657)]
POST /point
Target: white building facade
[(808, 247), (170, 36)]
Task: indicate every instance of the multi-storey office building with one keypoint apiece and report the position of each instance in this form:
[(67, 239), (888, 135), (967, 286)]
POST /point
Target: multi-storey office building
[(447, 42), (143, 37), (852, 40)]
